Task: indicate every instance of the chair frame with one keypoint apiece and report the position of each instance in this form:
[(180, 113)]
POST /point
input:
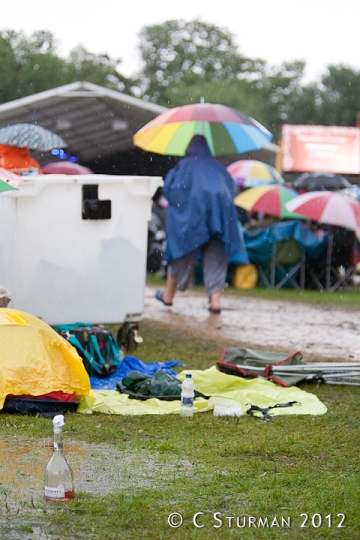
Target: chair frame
[(288, 276), (330, 271)]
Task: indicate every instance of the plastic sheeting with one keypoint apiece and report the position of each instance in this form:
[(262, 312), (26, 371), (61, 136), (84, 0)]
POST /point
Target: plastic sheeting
[(260, 392), (221, 387), (259, 244), (130, 363), (35, 360)]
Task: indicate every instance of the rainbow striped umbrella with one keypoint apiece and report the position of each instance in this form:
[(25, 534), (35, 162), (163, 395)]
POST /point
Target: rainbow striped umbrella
[(269, 199), (227, 130), (252, 173)]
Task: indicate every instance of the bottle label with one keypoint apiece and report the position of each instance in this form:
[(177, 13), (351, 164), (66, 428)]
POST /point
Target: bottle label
[(55, 493), (187, 401)]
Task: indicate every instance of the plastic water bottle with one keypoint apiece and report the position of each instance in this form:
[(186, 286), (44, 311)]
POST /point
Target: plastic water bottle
[(187, 396), (58, 477)]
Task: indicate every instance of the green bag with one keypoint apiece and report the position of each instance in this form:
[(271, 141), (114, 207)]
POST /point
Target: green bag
[(241, 362), (161, 385)]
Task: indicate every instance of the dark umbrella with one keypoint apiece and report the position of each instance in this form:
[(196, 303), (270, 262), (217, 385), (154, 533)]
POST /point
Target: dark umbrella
[(320, 181), (30, 136), (65, 167)]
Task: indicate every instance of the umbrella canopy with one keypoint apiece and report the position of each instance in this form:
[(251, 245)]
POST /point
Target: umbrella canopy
[(268, 199), (30, 136), (253, 173), (65, 167), (12, 180), (320, 181), (332, 208), (226, 130), (4, 186)]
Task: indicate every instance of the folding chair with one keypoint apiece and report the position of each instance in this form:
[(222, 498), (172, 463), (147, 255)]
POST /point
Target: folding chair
[(286, 267), (337, 268)]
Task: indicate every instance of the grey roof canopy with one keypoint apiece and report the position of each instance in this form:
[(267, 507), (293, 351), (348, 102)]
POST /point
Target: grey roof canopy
[(98, 125), (94, 121)]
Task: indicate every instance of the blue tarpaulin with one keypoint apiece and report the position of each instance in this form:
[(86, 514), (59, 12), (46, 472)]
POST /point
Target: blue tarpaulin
[(259, 244), (130, 363)]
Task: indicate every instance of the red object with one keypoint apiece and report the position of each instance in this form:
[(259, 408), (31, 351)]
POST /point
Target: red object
[(17, 160), (65, 167), (57, 395), (321, 148)]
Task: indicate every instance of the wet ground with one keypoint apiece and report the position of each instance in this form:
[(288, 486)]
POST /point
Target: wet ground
[(320, 332), (98, 469)]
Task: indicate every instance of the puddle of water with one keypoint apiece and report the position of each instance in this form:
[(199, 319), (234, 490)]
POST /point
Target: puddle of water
[(24, 460), (98, 469)]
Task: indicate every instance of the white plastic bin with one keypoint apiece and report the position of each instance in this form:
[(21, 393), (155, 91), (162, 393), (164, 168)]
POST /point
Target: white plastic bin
[(65, 269)]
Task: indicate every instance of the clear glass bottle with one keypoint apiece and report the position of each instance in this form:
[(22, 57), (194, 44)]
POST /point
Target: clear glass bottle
[(187, 396), (58, 477)]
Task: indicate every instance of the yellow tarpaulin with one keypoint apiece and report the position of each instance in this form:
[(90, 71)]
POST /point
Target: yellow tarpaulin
[(220, 387), (35, 360)]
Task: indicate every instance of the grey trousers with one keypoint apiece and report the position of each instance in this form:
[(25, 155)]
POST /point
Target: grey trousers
[(214, 262)]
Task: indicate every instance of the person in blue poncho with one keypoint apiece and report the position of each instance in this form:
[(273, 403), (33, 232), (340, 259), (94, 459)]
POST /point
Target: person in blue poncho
[(201, 216)]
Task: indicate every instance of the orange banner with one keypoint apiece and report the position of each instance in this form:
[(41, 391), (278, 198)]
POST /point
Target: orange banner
[(321, 148)]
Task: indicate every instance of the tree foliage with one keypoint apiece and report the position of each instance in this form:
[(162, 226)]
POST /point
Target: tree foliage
[(184, 62), (339, 96), (31, 65), (98, 69), (179, 54)]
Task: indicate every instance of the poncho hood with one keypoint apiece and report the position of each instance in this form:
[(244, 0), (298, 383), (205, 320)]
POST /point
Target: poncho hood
[(198, 147)]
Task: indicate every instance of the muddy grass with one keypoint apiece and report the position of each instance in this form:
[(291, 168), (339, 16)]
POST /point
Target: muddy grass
[(320, 332), (98, 469)]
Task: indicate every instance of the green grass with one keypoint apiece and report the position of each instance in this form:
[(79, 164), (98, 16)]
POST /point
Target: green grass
[(234, 466)]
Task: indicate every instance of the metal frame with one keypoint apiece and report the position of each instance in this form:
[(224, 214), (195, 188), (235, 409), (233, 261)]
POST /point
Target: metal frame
[(288, 276), (330, 271)]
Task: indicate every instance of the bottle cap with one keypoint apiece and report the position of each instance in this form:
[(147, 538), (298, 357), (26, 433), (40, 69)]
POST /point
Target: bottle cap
[(188, 375), (58, 423)]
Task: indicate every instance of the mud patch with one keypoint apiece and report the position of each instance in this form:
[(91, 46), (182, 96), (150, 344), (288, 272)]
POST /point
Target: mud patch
[(321, 333)]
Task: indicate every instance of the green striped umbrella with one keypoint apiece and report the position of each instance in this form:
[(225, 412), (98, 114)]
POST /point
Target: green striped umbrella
[(268, 199), (4, 186)]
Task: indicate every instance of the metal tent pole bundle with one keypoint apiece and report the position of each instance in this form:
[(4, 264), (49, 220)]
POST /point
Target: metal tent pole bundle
[(327, 372)]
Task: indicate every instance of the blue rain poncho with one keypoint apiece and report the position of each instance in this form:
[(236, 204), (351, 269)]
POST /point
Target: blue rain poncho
[(200, 193)]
